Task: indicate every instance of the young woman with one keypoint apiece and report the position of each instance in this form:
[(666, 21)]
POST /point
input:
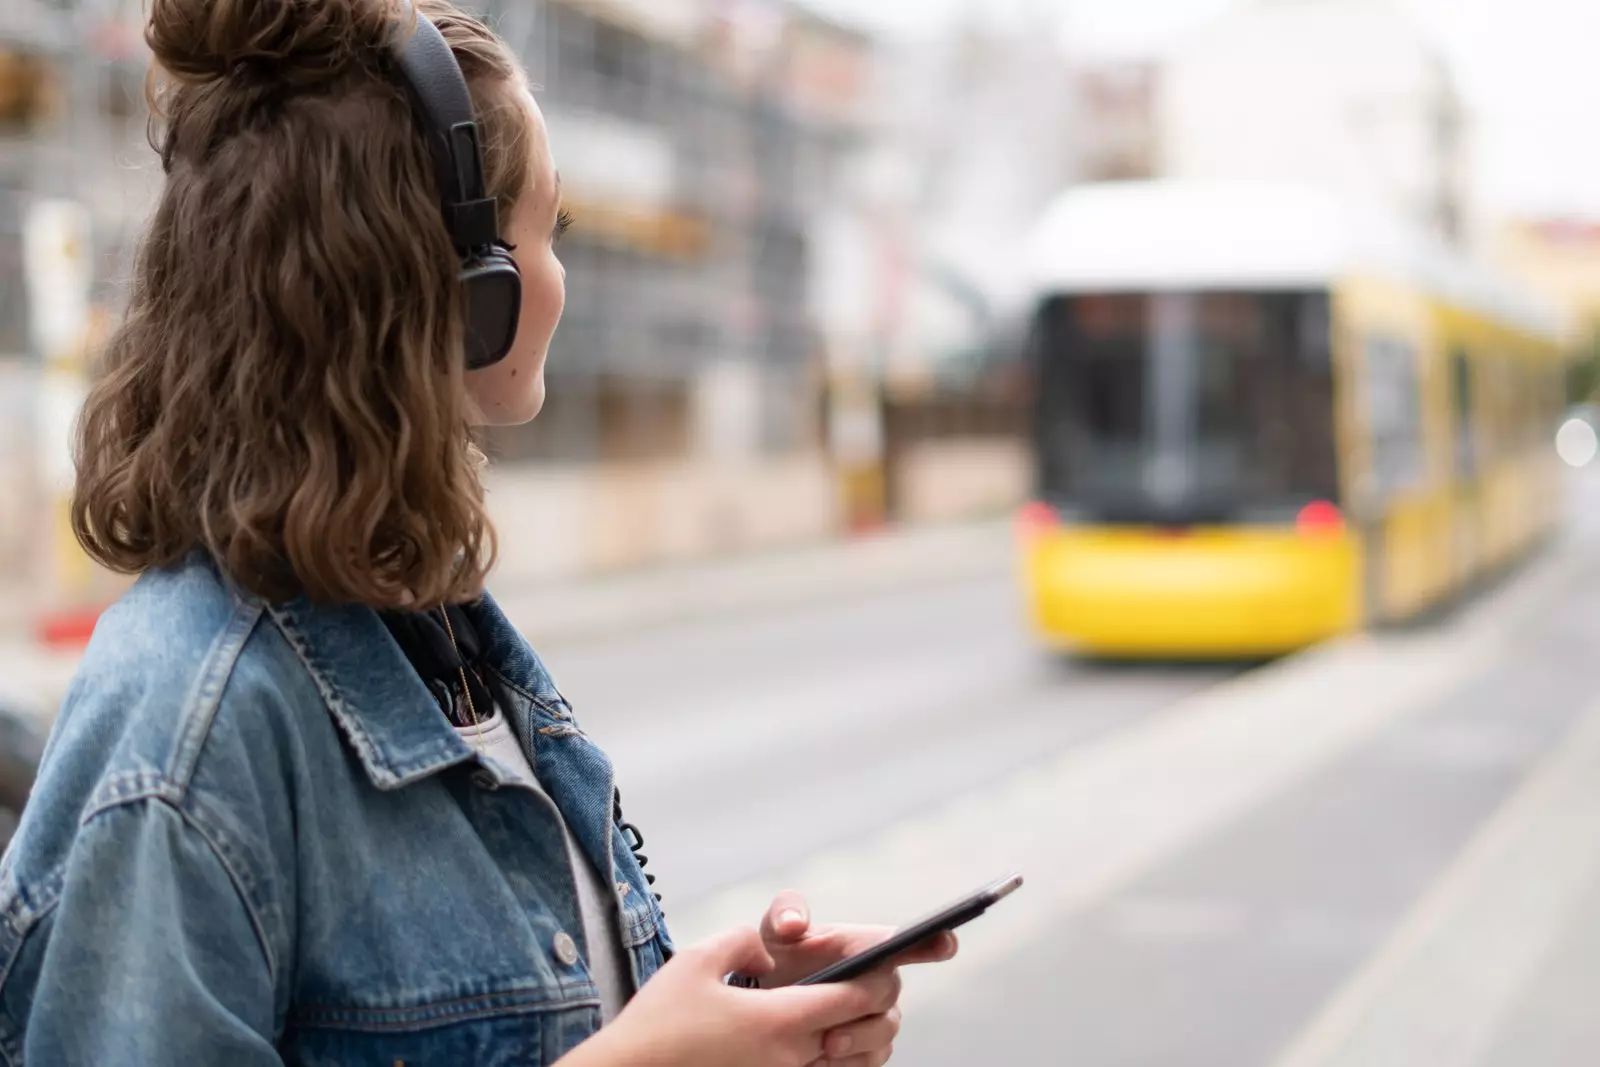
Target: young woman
[(311, 798)]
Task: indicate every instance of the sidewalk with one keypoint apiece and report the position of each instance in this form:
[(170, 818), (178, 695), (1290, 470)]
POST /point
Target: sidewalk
[(1088, 823), (756, 583), (1482, 972), (34, 678)]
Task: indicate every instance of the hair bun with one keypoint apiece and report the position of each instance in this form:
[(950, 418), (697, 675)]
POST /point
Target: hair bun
[(294, 41)]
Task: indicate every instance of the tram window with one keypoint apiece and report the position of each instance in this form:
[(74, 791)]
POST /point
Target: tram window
[(1092, 376), (1488, 407), (1236, 386), (1516, 413), (14, 312), (1522, 397), (1536, 429), (1503, 406), (1461, 407), (1265, 426), (1108, 365), (1394, 411), (1554, 397)]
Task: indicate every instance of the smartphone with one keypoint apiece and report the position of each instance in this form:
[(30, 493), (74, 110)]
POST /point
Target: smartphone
[(958, 914)]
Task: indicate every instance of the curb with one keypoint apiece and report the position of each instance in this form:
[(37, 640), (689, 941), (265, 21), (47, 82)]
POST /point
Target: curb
[(792, 579), (34, 677)]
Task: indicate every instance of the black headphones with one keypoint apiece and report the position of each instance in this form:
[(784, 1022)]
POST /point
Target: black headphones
[(489, 275)]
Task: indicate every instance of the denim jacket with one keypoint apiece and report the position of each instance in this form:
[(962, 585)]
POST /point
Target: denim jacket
[(254, 840)]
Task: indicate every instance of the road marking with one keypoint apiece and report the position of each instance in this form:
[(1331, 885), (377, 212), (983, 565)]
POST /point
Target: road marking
[(1437, 990), (716, 591), (1082, 824), (716, 730)]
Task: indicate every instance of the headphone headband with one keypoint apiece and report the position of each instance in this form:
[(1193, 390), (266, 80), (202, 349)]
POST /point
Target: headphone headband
[(444, 108), (491, 283)]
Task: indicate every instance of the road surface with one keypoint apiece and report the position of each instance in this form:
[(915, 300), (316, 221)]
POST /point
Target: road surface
[(743, 745), (1386, 852)]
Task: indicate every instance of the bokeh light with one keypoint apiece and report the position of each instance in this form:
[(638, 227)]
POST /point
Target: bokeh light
[(1576, 443)]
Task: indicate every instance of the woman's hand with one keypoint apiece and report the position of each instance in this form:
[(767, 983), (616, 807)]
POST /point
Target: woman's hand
[(687, 1016), (797, 949)]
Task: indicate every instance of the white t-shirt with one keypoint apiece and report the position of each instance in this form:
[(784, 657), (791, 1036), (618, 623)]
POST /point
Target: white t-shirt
[(608, 962)]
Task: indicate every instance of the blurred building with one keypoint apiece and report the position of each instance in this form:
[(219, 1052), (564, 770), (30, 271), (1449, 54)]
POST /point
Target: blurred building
[(1560, 258), (694, 137), (695, 140), (35, 48), (727, 161), (1347, 94), (989, 118), (72, 192), (1117, 120), (698, 142), (72, 125), (34, 44), (971, 135)]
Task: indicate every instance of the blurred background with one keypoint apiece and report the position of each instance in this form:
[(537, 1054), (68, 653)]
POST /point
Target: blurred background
[(1145, 443)]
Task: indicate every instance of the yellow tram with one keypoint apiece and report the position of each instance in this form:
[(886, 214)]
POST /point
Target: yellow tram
[(1264, 418)]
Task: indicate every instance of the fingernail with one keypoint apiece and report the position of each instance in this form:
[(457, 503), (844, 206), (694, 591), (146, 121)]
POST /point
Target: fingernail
[(790, 915), (842, 1046)]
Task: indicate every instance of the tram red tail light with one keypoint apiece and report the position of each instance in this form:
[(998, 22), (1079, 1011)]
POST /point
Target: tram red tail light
[(1036, 519), (1320, 518)]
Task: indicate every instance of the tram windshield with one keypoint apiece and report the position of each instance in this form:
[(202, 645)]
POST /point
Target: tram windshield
[(1185, 407)]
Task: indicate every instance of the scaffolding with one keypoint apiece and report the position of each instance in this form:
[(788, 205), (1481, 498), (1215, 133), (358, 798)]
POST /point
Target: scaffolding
[(692, 184), (703, 258)]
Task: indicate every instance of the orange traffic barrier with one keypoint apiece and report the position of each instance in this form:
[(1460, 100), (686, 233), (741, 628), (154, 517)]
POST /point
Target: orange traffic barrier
[(68, 629)]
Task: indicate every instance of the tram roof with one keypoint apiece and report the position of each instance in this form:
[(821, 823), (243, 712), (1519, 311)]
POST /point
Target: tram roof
[(1155, 235)]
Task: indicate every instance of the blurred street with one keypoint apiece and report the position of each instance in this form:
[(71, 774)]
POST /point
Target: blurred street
[(742, 745), (1382, 851), (905, 341)]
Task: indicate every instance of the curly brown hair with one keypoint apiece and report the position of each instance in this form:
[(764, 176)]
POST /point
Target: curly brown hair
[(286, 391)]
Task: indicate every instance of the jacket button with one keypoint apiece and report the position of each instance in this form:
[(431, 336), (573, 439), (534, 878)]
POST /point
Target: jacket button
[(566, 949), (485, 780), (623, 889)]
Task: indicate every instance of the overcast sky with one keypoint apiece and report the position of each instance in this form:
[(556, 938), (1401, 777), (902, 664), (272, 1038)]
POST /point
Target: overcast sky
[(1530, 69)]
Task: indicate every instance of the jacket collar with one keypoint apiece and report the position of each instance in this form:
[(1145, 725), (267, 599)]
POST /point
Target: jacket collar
[(382, 708)]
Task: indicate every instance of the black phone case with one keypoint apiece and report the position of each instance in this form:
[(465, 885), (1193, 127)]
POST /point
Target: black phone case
[(958, 914)]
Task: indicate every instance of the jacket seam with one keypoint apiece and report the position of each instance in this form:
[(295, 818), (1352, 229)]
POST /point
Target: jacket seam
[(323, 1016), (128, 788), (348, 725), (238, 875), (200, 710), (49, 893), (167, 796), (147, 787), (544, 704), (641, 926)]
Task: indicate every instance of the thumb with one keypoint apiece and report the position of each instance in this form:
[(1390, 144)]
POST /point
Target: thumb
[(740, 951), (787, 920)]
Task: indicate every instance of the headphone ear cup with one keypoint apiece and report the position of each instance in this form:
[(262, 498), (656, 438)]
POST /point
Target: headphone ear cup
[(492, 287)]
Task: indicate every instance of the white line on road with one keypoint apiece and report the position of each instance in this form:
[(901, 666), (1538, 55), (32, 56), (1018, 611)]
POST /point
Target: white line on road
[(704, 732), (1080, 825), (598, 606), (1083, 824), (1436, 992)]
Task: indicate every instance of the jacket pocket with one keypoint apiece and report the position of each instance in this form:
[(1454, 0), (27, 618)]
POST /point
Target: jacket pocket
[(509, 1029)]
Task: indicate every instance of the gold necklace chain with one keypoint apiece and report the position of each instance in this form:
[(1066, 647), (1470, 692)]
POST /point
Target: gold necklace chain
[(466, 690)]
